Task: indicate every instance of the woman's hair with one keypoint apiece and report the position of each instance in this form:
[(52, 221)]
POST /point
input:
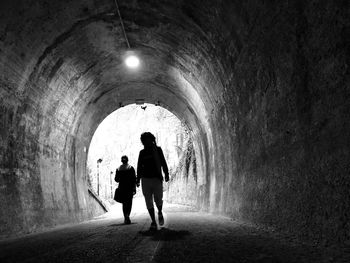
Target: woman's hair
[(125, 157), (147, 135)]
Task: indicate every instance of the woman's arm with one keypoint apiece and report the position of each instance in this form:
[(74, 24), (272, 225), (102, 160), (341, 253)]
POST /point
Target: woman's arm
[(117, 176), (164, 165), (139, 168), (134, 179)]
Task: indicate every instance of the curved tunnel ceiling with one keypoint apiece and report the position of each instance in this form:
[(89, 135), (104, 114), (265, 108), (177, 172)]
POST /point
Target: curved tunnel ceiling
[(82, 70)]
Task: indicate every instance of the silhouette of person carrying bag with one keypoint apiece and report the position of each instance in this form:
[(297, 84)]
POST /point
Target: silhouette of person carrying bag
[(125, 176), (150, 162)]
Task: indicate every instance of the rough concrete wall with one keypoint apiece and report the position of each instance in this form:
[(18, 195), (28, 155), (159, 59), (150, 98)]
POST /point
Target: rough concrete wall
[(21, 203), (39, 188), (290, 106)]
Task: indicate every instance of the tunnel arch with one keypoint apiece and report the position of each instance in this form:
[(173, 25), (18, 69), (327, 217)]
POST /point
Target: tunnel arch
[(73, 67), (80, 85), (70, 74), (61, 74)]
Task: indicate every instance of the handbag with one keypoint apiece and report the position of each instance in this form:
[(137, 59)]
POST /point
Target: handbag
[(118, 195)]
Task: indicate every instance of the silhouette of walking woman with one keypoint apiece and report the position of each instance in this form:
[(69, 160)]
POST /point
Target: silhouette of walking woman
[(125, 176), (150, 162)]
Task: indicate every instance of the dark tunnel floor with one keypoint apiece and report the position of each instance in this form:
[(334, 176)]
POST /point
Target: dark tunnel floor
[(187, 236)]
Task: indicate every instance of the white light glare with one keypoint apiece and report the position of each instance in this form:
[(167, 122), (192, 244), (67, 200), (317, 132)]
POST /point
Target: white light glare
[(132, 61)]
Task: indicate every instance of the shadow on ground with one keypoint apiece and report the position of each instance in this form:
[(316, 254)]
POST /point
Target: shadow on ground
[(165, 234), (122, 224)]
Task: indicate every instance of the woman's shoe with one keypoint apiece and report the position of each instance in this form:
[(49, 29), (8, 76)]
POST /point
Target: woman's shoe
[(153, 226), (160, 218), (127, 221)]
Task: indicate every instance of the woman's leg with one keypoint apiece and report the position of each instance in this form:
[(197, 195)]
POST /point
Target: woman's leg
[(158, 199), (130, 207), (147, 190), (125, 209)]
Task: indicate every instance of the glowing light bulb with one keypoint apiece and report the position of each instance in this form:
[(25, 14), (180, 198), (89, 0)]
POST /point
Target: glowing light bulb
[(132, 61)]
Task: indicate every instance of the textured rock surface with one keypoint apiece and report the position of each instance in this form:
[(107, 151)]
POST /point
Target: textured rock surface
[(263, 85)]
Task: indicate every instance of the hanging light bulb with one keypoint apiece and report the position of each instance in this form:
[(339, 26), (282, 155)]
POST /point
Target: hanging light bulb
[(132, 61)]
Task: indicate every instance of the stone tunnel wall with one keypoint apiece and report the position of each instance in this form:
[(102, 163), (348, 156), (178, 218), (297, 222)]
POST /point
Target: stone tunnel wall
[(39, 187), (289, 107)]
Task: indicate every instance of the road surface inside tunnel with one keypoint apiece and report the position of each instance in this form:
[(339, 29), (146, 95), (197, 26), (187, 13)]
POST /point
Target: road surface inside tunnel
[(187, 236)]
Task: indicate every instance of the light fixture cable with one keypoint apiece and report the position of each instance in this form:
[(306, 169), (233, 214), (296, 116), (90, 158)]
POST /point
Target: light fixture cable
[(121, 23)]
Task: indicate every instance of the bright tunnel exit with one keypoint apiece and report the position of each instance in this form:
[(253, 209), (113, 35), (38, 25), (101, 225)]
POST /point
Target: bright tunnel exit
[(119, 134)]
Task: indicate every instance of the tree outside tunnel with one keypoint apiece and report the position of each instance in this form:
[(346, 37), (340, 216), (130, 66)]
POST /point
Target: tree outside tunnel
[(119, 134)]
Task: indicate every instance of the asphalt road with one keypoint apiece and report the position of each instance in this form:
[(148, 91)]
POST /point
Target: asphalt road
[(187, 236)]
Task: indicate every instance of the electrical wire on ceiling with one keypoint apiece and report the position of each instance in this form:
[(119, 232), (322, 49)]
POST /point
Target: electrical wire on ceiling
[(122, 23)]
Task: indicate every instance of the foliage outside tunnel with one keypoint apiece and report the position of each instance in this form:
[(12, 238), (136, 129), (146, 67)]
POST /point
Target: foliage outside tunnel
[(119, 134)]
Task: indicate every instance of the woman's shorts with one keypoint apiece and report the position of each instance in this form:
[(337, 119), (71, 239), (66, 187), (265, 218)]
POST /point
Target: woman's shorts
[(152, 188)]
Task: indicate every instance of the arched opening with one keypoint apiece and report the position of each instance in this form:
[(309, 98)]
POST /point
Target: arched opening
[(72, 78), (119, 134)]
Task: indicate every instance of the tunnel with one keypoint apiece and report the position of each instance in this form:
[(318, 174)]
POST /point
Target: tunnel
[(262, 85)]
